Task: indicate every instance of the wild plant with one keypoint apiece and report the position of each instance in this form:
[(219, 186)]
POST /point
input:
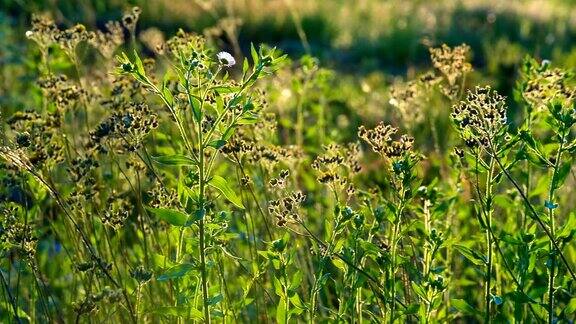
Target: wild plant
[(146, 178), (206, 107)]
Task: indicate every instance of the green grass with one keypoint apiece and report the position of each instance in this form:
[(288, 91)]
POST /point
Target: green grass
[(373, 179)]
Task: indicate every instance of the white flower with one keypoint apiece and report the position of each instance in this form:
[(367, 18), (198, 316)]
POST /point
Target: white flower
[(226, 59), (29, 34)]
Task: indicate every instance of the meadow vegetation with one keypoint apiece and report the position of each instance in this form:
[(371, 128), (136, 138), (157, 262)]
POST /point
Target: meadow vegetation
[(162, 175)]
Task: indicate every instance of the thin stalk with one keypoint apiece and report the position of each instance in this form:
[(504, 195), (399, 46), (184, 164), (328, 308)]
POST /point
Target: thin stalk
[(551, 193), (253, 194), (315, 287), (533, 212), (10, 297), (299, 28), (499, 250), (201, 198), (56, 195), (489, 199), (394, 248), (138, 296), (392, 269), (371, 280)]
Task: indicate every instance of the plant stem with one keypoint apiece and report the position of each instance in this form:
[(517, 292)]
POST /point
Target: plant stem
[(489, 237), (202, 185), (534, 213), (327, 251), (551, 273), (392, 269)]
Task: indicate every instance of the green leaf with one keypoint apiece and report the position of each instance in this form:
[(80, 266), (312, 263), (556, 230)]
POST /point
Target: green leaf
[(180, 311), (217, 144), (281, 311), (297, 301), (222, 185), (247, 119), (471, 255), (196, 108), (139, 65), (245, 66), (296, 280), (229, 132), (215, 299), (464, 307), (254, 54), (561, 175), (571, 307), (176, 159), (170, 216), (176, 272), (419, 290), (166, 92), (411, 309), (223, 89)]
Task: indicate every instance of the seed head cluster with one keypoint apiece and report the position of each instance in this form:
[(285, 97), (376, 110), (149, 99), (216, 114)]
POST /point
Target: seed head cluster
[(185, 46), (280, 181), (125, 130), (38, 140), (544, 84), (130, 19), (107, 42), (381, 139), (481, 116), (285, 209), (405, 96), (61, 91), (451, 62), (69, 39), (17, 233), (43, 31)]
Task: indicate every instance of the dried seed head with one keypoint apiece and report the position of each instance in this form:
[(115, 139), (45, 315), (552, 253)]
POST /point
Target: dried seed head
[(124, 130), (107, 42), (381, 139), (541, 85), (481, 116), (43, 32), (141, 275), (406, 97), (186, 46), (130, 19), (285, 209), (70, 38), (153, 38), (451, 62)]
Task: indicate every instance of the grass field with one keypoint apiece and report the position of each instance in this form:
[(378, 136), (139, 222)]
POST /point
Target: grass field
[(287, 161)]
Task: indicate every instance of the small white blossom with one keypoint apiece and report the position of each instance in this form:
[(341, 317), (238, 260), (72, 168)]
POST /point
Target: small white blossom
[(226, 59), (29, 34)]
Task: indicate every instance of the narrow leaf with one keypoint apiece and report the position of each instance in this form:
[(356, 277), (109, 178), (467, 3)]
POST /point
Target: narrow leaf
[(176, 159), (471, 255), (180, 311), (464, 307), (170, 216), (176, 272), (222, 185)]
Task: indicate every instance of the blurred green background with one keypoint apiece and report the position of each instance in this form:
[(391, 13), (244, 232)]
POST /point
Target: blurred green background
[(370, 34), (353, 37)]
